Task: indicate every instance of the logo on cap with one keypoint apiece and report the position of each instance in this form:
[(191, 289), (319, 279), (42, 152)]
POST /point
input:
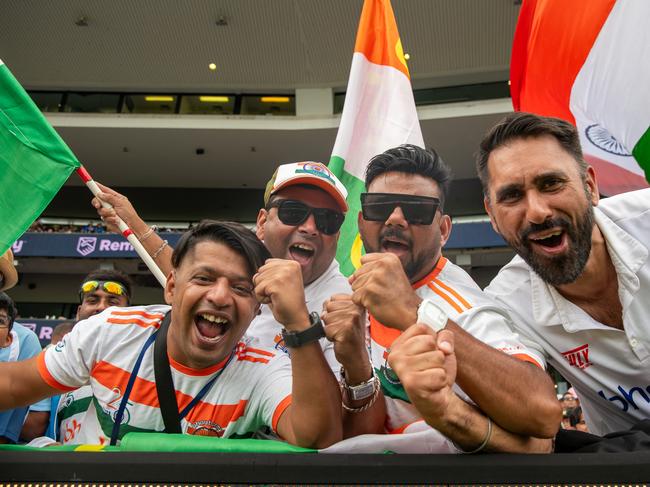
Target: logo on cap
[(316, 170)]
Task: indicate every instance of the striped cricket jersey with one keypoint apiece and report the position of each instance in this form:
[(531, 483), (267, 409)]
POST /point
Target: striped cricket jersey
[(455, 292), (252, 392)]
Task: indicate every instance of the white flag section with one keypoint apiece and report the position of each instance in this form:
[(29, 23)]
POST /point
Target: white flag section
[(610, 98), (379, 114)]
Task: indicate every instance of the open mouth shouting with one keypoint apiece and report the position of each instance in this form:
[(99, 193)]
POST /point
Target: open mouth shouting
[(551, 242), (394, 245), (302, 253), (211, 327)]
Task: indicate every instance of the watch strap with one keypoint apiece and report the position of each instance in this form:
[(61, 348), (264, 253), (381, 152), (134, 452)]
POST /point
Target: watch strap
[(296, 339)]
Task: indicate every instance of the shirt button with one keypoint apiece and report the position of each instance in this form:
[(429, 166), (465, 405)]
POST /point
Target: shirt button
[(634, 342)]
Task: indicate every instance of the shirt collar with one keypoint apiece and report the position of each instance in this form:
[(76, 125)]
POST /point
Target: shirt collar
[(628, 256)]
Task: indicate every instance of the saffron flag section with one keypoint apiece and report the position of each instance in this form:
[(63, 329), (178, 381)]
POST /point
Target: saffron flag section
[(34, 160), (585, 62), (379, 113)]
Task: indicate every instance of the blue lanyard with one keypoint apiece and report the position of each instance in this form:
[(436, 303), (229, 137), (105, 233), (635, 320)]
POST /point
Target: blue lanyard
[(115, 433)]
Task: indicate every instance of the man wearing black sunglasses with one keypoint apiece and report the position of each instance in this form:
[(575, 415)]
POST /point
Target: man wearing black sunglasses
[(404, 279)]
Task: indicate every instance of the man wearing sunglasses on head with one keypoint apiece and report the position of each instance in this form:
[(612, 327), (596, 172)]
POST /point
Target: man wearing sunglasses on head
[(98, 291), (403, 280)]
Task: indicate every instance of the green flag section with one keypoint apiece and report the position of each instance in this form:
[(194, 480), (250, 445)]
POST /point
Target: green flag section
[(162, 442), (587, 62), (379, 114), (34, 160)]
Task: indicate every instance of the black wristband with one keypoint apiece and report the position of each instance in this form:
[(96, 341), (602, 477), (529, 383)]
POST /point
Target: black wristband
[(296, 339)]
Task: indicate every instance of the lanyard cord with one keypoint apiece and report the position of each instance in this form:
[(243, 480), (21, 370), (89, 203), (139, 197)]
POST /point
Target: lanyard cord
[(115, 433), (125, 398)]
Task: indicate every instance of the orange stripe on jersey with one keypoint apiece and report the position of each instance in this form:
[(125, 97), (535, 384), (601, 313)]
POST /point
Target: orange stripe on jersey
[(150, 316), (527, 358), (445, 296), (112, 377), (381, 334), (451, 290), (196, 372), (254, 359), (284, 404), (433, 274), (260, 351), (47, 377), (133, 321)]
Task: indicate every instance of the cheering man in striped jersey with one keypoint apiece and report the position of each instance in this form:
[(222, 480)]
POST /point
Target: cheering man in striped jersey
[(220, 384), (404, 279)]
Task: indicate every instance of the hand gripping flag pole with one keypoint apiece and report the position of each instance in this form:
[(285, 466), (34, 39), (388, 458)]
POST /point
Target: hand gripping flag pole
[(124, 228)]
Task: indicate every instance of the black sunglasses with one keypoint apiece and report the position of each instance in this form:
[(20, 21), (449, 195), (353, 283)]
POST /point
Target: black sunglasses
[(418, 210), (292, 212)]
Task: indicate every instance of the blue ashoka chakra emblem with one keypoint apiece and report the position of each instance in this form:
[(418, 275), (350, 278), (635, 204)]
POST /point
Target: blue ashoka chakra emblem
[(601, 138)]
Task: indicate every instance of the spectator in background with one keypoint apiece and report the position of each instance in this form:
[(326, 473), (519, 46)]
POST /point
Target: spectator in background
[(577, 420), (98, 291), (17, 343), (60, 330), (101, 289)]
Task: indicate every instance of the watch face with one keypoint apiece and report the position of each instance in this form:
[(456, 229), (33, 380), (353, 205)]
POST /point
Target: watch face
[(430, 314)]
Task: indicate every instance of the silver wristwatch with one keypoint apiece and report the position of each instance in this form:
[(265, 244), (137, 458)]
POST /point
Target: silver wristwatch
[(360, 391), (431, 314)]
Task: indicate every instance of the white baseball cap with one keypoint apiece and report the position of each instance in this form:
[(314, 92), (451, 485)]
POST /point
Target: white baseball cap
[(308, 172)]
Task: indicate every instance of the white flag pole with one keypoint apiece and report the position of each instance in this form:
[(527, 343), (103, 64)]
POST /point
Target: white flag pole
[(124, 229)]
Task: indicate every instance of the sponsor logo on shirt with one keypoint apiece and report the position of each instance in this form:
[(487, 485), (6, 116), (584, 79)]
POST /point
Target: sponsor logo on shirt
[(633, 397), (205, 427), (578, 357), (279, 343)]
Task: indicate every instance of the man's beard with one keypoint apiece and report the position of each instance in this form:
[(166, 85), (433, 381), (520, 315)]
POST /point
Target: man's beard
[(412, 264), (561, 269)]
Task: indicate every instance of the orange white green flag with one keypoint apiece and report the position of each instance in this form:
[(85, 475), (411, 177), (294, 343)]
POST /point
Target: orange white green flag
[(588, 62), (379, 113), (34, 160)]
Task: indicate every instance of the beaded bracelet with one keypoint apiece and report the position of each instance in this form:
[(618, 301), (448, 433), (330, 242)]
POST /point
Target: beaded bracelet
[(147, 234), (160, 249)]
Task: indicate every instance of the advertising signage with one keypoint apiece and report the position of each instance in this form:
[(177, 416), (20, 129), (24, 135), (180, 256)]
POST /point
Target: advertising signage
[(111, 245)]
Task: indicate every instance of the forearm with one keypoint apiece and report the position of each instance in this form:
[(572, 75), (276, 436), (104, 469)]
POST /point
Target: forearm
[(35, 425), (363, 416), (153, 245), (517, 395), (469, 429), (316, 399)]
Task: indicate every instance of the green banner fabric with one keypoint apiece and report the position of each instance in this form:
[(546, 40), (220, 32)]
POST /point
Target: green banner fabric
[(34, 160), (191, 443)]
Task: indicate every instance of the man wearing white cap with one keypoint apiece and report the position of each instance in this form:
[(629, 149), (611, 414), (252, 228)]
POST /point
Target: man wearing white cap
[(304, 208)]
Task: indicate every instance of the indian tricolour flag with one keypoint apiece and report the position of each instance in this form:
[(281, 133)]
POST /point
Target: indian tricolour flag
[(588, 62), (379, 114), (34, 160)]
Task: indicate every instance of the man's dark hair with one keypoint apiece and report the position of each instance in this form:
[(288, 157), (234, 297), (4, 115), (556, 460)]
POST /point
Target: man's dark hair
[(234, 235), (412, 159), (521, 125), (8, 305), (574, 416), (112, 275), (61, 330)]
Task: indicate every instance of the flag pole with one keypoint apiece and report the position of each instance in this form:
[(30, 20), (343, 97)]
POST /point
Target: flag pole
[(124, 228)]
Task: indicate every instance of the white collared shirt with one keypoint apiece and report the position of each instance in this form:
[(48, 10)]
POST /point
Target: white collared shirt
[(609, 368)]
